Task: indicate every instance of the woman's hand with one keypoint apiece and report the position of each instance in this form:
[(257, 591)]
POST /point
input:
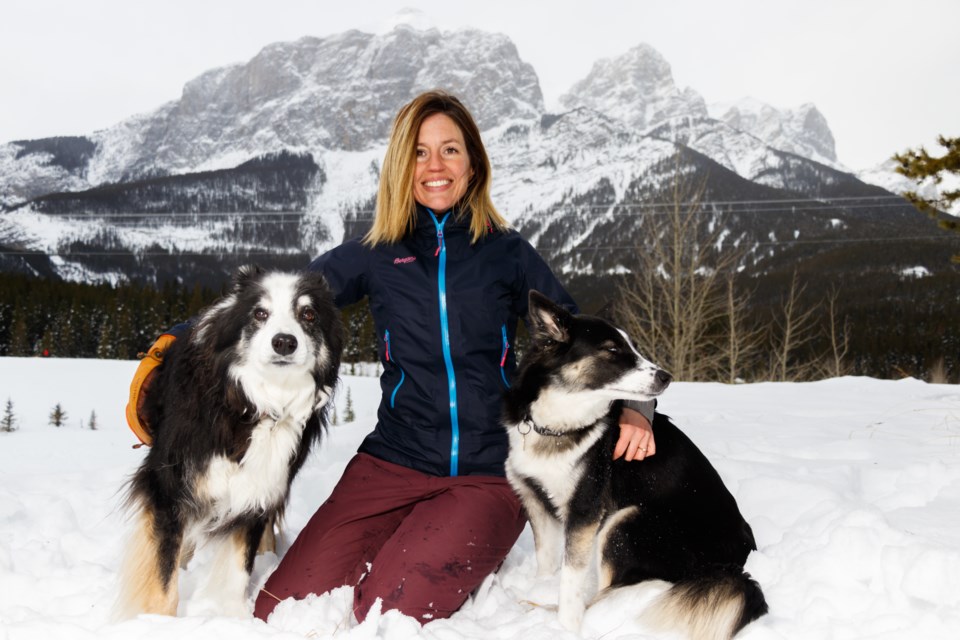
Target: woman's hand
[(636, 437)]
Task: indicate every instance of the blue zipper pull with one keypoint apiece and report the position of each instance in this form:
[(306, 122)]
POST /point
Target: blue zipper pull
[(439, 242)]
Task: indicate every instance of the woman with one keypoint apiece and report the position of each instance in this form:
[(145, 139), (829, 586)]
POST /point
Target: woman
[(423, 513)]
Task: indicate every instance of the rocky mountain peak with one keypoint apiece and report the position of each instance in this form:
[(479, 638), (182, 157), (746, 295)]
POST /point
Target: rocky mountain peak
[(337, 92), (637, 88), (803, 131)]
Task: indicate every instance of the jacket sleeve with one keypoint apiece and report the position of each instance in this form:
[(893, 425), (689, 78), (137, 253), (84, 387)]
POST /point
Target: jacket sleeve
[(345, 269), (537, 275)]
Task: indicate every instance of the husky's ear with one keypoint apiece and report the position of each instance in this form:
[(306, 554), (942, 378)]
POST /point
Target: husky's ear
[(548, 320), (607, 311)]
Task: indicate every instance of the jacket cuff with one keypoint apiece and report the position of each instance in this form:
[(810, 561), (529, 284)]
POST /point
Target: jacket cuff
[(645, 407)]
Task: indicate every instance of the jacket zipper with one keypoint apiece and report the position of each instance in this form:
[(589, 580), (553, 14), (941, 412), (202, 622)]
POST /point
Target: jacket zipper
[(503, 358), (403, 375), (445, 336)]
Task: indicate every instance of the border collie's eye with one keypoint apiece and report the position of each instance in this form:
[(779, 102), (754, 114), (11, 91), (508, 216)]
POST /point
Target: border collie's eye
[(610, 347), (308, 315), (260, 314)]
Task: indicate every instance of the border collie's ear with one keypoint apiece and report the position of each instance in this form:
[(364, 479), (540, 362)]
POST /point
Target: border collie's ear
[(548, 320), (243, 275)]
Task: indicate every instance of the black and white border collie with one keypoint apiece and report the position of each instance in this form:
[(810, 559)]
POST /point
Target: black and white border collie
[(668, 517), (234, 409)]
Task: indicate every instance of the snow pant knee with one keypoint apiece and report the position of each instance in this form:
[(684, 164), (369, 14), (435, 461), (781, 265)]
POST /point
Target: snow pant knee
[(420, 543), (441, 552)]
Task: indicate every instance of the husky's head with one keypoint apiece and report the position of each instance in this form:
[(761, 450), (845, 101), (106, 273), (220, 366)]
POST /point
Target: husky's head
[(589, 357), (275, 329)]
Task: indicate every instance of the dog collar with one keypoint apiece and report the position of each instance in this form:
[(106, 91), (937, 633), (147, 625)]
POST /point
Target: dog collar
[(541, 430), (547, 432)]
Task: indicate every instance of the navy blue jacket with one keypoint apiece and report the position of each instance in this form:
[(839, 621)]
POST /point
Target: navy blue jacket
[(446, 313)]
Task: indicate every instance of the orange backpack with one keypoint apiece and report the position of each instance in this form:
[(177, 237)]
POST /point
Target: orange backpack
[(141, 381)]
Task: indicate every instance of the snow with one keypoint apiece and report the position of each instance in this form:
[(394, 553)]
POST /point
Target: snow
[(852, 486), (915, 272)]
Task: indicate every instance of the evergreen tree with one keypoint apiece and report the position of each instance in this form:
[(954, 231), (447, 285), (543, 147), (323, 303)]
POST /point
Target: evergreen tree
[(47, 342), (348, 414), (106, 341), (8, 423), (920, 166), (58, 416), (92, 423), (19, 339)]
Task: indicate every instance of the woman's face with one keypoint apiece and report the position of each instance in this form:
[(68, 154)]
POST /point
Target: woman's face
[(443, 166)]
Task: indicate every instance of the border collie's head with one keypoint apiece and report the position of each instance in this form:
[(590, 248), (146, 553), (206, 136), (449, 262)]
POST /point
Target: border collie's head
[(275, 325), (586, 354)]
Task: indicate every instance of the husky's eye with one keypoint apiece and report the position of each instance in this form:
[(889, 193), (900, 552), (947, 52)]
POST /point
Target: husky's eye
[(260, 314), (308, 315)]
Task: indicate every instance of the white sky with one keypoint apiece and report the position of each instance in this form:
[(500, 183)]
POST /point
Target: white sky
[(885, 74)]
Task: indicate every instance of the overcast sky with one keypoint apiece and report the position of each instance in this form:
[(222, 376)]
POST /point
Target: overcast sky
[(885, 74)]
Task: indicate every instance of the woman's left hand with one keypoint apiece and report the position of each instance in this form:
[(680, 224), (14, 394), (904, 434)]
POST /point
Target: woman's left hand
[(636, 437)]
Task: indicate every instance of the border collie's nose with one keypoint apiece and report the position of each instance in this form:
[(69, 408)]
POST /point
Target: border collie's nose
[(663, 377), (284, 344)]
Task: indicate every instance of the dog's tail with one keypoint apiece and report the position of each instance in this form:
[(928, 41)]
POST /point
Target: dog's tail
[(144, 586), (710, 607)]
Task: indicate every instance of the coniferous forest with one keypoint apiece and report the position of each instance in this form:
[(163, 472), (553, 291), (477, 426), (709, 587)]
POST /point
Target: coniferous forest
[(43, 317), (54, 318)]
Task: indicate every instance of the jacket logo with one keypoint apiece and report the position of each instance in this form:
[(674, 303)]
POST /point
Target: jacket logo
[(404, 260)]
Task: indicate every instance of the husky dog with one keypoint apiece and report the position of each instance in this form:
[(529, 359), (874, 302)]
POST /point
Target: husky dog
[(667, 518), (234, 408)]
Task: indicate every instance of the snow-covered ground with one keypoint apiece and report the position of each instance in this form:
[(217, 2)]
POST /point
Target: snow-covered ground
[(852, 486)]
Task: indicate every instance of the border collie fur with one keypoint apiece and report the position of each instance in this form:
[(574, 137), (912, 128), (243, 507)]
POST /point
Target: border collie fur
[(668, 517), (234, 409)]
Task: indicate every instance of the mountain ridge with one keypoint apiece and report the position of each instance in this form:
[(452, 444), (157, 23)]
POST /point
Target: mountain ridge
[(332, 99)]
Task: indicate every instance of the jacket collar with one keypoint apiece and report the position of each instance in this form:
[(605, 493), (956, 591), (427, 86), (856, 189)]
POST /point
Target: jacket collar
[(459, 218)]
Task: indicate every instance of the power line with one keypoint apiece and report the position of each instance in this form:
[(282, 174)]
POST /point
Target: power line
[(597, 248), (808, 201), (633, 210)]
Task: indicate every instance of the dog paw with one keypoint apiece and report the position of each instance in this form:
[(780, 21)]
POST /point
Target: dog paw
[(207, 607), (571, 617)]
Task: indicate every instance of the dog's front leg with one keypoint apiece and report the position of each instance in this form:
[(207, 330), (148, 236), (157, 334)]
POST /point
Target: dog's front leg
[(224, 587), (577, 554), (547, 529), (547, 539)]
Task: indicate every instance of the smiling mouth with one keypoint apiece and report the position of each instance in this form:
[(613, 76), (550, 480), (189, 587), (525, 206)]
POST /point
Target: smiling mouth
[(437, 183)]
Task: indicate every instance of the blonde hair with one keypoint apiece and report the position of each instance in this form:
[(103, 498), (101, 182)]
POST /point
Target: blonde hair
[(396, 208)]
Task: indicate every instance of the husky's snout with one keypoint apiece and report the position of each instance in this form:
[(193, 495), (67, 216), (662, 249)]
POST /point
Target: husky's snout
[(662, 380)]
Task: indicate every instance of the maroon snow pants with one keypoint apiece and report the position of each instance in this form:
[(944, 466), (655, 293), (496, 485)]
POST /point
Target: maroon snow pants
[(420, 543)]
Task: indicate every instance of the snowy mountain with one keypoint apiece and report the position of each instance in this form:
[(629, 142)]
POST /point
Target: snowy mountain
[(334, 93), (636, 88), (802, 131), (277, 159)]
